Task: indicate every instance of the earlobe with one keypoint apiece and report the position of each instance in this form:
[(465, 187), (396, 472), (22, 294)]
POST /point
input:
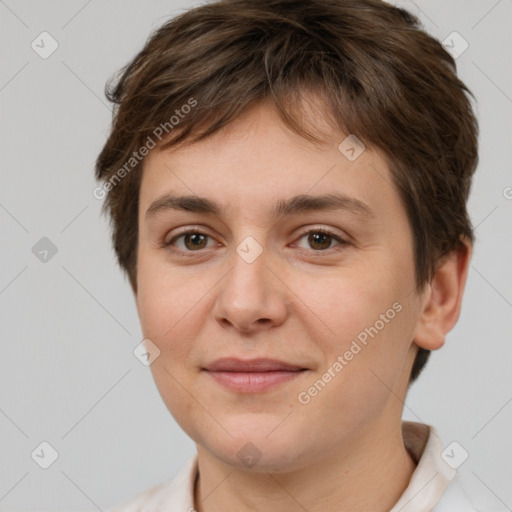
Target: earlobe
[(443, 298)]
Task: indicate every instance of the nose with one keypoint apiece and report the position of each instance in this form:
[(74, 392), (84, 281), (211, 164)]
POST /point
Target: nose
[(251, 297)]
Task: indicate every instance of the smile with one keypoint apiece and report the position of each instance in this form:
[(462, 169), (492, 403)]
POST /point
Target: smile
[(253, 376)]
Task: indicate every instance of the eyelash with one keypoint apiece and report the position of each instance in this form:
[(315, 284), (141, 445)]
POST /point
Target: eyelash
[(196, 231)]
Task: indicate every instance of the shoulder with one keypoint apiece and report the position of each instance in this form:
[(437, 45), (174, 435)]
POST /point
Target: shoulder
[(175, 493), (456, 498), (435, 485), (148, 500)]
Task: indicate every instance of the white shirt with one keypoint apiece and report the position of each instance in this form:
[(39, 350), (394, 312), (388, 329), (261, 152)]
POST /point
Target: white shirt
[(434, 485)]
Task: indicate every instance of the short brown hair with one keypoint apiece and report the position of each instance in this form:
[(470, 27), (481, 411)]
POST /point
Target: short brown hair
[(379, 74)]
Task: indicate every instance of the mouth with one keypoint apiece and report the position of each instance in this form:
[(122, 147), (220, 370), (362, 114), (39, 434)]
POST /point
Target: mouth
[(254, 375)]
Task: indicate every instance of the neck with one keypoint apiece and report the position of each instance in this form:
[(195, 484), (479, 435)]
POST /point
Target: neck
[(369, 474)]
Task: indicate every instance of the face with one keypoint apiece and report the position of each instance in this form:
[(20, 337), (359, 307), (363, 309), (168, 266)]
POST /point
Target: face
[(325, 291)]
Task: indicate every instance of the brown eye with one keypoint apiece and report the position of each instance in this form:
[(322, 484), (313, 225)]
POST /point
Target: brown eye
[(195, 241), (320, 240), (189, 241)]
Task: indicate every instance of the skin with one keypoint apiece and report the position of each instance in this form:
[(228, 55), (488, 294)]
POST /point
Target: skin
[(297, 303)]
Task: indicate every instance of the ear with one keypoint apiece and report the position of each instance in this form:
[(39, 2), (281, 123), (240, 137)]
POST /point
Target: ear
[(443, 298)]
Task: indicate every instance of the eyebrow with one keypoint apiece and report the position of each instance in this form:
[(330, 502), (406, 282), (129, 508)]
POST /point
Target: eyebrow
[(283, 207)]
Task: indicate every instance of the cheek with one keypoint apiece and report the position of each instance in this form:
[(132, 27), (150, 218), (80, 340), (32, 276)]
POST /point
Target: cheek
[(345, 303), (163, 302), (166, 306), (367, 318), (162, 292), (174, 306)]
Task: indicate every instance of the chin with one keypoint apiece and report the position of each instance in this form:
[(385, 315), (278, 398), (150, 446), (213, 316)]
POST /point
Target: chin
[(252, 449)]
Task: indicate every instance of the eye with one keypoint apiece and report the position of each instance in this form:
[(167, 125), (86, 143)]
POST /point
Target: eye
[(320, 239), (193, 240)]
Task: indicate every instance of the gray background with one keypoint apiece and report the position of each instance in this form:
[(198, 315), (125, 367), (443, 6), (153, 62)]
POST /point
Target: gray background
[(69, 325)]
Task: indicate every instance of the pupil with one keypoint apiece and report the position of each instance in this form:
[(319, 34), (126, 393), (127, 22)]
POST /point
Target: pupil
[(316, 238), (196, 237)]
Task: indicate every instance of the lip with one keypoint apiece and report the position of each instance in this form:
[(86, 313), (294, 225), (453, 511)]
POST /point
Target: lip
[(262, 364), (254, 375)]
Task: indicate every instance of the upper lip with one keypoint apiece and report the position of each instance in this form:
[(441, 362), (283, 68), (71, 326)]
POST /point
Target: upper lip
[(232, 364)]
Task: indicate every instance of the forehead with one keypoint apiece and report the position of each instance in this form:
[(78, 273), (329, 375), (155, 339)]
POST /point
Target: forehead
[(258, 163)]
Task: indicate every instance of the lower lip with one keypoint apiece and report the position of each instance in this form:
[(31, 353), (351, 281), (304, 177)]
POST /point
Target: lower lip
[(253, 382)]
